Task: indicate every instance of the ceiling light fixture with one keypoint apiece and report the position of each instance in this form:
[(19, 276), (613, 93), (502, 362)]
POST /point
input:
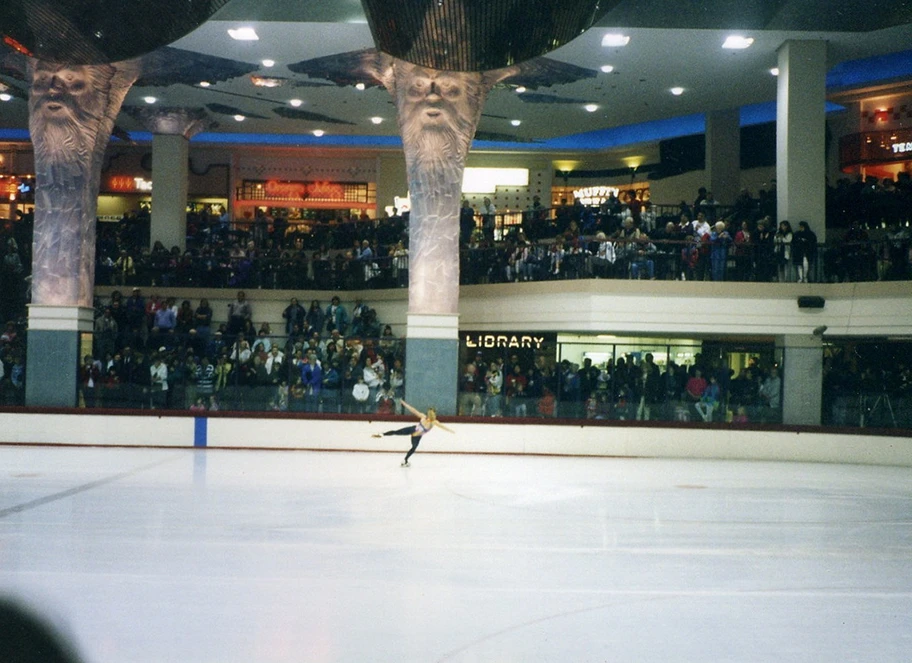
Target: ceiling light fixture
[(5, 97), (360, 86), (520, 89), (376, 120), (515, 123), (774, 71), (239, 118), (677, 91), (738, 42), (615, 40), (150, 100), (268, 63), (591, 107), (205, 83), (295, 102), (243, 34), (267, 81), (318, 132), (606, 68)]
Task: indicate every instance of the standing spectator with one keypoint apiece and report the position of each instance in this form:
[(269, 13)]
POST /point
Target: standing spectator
[(312, 379), (804, 251), (719, 241), (336, 316), (783, 243), (743, 253), (239, 314), (294, 315), (488, 220)]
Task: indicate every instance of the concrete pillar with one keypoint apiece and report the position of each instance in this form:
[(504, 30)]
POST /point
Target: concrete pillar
[(723, 154), (172, 129), (169, 190), (801, 134), (802, 379), (53, 357)]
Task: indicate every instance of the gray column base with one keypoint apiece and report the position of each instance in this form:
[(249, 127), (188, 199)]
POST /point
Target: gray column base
[(52, 357), (52, 365), (431, 374)]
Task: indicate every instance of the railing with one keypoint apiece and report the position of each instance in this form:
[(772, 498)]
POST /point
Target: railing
[(509, 261)]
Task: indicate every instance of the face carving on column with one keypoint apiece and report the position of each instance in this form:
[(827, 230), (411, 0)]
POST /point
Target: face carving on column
[(65, 104), (438, 112)]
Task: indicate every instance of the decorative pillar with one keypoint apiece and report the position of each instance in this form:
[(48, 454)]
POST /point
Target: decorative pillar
[(801, 134), (723, 154), (172, 129), (438, 112), (802, 380), (72, 109)]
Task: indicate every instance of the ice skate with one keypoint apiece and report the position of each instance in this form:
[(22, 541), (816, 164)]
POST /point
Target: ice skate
[(376, 435), (405, 463)]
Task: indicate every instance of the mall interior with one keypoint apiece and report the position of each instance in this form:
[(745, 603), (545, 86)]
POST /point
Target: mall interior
[(274, 167)]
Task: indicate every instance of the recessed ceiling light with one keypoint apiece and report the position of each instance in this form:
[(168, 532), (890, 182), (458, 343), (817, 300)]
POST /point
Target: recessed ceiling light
[(774, 71), (150, 100), (205, 83), (515, 123), (606, 68), (239, 118), (318, 132), (615, 40), (295, 102), (360, 86), (376, 120), (268, 63), (591, 107), (677, 91), (5, 97), (243, 34), (738, 42), (520, 89)]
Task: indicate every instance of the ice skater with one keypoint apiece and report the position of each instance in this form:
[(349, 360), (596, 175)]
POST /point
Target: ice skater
[(426, 422)]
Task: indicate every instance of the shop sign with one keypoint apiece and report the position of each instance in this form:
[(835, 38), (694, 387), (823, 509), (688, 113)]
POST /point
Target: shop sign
[(503, 341), (902, 148), (304, 190), (128, 184)]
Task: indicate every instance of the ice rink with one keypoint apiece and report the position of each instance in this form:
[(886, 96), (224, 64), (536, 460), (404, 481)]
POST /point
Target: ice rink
[(256, 556)]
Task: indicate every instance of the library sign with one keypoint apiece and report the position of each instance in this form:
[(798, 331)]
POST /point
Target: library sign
[(491, 341)]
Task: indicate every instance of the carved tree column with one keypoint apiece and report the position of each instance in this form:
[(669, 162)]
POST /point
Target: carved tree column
[(72, 109)]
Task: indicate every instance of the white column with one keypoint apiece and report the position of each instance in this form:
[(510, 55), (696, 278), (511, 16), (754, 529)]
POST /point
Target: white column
[(801, 134), (723, 154), (169, 190)]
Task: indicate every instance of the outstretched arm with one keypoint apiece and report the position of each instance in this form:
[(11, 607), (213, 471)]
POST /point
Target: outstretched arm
[(411, 409), (448, 430)]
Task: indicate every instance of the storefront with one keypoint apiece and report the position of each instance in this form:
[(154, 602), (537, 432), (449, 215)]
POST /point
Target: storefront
[(881, 154)]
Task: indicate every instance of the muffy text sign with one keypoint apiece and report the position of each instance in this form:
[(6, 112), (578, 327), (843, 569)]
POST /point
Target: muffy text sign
[(503, 341)]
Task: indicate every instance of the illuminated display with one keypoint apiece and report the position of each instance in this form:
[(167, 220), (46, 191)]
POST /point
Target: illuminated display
[(503, 341), (128, 184), (311, 192)]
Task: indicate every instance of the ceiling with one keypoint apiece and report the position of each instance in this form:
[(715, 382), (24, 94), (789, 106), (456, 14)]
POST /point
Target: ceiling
[(671, 44)]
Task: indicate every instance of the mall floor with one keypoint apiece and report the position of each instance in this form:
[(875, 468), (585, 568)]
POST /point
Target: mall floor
[(252, 556)]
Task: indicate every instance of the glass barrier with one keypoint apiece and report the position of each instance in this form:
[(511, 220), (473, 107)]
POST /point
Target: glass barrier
[(258, 373), (648, 381)]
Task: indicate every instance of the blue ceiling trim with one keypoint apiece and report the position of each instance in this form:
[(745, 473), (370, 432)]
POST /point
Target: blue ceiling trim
[(854, 73)]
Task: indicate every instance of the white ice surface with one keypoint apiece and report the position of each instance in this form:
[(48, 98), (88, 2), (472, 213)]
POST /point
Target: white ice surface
[(223, 556)]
